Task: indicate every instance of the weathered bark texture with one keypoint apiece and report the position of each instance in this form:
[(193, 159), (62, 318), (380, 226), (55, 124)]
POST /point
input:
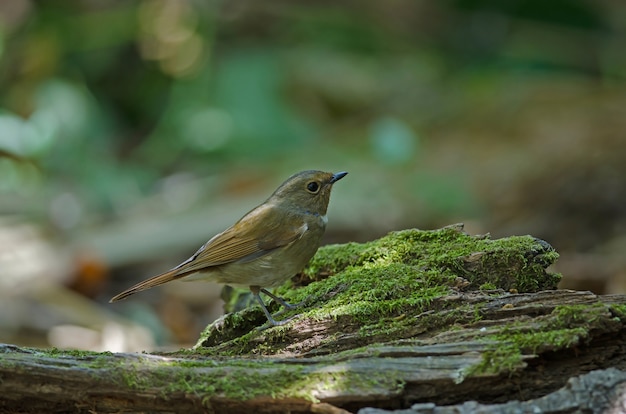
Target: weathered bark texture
[(462, 348), (601, 391)]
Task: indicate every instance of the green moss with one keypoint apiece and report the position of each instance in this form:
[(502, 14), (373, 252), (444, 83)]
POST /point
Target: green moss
[(504, 358), (619, 311), (70, 353), (238, 380), (374, 290), (232, 379), (371, 287), (480, 259), (487, 286), (566, 326)]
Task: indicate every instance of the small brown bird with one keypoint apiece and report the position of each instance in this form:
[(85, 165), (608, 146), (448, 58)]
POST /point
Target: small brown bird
[(265, 247)]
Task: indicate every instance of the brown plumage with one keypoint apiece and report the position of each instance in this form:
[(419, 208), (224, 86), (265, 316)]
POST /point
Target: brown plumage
[(265, 247)]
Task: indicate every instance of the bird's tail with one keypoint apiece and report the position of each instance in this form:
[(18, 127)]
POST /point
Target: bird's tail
[(150, 283)]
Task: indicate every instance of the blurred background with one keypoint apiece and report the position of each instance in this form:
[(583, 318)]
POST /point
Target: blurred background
[(133, 131)]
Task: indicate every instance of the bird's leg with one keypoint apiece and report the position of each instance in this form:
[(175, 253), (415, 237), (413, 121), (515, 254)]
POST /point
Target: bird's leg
[(281, 301), (255, 292), (286, 306)]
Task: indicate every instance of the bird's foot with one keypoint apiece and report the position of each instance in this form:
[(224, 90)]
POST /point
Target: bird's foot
[(273, 322), (270, 318)]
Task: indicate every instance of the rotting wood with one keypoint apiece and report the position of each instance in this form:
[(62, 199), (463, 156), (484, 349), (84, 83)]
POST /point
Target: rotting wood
[(464, 344)]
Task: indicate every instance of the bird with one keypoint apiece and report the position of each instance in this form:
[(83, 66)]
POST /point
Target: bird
[(268, 245)]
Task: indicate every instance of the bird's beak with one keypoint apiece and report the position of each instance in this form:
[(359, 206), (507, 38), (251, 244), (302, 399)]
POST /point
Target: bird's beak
[(338, 176)]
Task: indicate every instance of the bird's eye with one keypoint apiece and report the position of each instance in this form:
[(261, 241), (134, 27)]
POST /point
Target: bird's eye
[(313, 187)]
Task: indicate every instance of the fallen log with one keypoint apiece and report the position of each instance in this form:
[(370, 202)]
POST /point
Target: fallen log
[(415, 320)]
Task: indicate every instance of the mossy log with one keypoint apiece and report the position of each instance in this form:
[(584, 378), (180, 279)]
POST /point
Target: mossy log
[(417, 321)]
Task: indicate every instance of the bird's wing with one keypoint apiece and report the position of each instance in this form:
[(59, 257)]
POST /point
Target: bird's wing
[(243, 242)]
